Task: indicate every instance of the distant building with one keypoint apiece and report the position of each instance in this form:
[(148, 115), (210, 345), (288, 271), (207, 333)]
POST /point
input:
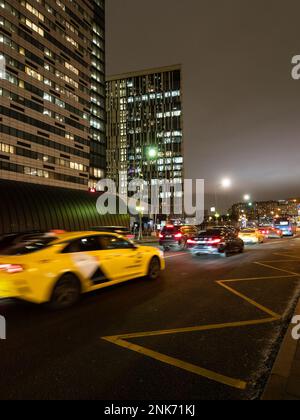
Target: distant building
[(266, 209), (145, 127), (52, 112)]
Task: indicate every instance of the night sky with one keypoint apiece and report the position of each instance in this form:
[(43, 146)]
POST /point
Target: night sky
[(241, 105)]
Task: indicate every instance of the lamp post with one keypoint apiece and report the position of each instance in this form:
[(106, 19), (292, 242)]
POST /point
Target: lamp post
[(152, 154), (225, 184), (140, 210)]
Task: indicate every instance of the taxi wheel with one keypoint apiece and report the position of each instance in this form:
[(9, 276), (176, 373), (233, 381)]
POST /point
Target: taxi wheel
[(66, 293), (154, 269)]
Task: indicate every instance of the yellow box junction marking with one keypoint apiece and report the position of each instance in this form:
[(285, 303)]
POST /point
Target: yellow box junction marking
[(122, 340)]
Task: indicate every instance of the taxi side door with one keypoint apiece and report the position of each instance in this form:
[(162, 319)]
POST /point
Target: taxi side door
[(120, 258)]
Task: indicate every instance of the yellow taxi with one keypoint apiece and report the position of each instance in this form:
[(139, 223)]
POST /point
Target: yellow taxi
[(58, 269), (252, 236)]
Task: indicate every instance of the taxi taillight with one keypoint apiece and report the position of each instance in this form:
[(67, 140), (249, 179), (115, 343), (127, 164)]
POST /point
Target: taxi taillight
[(11, 268)]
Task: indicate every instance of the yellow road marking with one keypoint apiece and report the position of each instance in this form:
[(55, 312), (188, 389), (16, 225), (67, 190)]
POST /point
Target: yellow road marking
[(277, 269), (293, 259), (251, 301), (288, 255), (225, 380), (177, 255), (192, 329), (259, 278)]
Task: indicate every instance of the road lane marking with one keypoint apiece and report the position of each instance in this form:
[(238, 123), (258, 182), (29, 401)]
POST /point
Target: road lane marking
[(121, 340), (200, 328), (177, 255), (251, 301), (260, 278), (281, 261), (287, 255), (171, 361), (278, 269)]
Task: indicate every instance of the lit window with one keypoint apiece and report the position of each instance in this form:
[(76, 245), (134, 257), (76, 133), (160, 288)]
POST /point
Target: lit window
[(33, 73), (34, 27), (33, 10)]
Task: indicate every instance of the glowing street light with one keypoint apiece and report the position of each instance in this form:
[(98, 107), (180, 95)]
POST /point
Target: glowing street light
[(152, 152), (247, 197), (226, 183), (140, 209)]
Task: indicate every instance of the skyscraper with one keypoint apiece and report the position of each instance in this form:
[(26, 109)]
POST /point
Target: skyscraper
[(52, 92), (144, 126)]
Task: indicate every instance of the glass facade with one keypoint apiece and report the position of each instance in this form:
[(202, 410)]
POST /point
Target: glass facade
[(52, 92), (144, 127)]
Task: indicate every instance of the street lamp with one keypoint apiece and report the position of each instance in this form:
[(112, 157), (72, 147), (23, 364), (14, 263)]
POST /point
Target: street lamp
[(140, 210), (225, 184), (152, 155), (247, 197), (152, 152)]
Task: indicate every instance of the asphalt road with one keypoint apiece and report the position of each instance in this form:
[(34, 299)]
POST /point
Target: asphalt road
[(190, 335)]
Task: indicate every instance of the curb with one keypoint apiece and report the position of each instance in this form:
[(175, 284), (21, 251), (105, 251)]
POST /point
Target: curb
[(284, 382)]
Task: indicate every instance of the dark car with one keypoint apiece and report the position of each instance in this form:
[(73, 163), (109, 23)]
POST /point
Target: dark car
[(119, 230), (221, 241), (230, 228), (176, 237)]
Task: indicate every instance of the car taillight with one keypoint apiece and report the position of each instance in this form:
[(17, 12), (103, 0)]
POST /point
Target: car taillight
[(11, 268), (161, 236), (191, 242), (279, 232), (178, 236), (215, 241)]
